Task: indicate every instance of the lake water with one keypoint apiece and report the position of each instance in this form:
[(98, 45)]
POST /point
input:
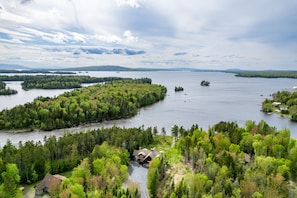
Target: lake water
[(228, 98)]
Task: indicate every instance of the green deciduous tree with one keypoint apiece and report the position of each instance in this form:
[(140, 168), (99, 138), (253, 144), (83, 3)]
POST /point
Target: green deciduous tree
[(11, 179)]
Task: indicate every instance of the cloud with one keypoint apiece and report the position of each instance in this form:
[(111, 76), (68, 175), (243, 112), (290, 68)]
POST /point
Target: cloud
[(26, 1), (118, 51), (180, 53), (132, 3), (98, 51), (234, 33)]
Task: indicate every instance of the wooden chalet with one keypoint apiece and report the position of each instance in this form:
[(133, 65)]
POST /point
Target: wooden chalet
[(49, 182), (144, 156)]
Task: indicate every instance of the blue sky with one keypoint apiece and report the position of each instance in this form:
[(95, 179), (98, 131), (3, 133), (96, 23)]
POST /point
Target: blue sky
[(213, 34)]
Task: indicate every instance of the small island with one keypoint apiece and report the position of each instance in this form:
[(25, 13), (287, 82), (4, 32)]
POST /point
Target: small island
[(6, 91), (205, 83), (179, 88)]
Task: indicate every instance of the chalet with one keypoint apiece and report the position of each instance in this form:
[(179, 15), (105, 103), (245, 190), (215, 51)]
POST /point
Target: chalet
[(49, 182), (276, 104), (144, 156)]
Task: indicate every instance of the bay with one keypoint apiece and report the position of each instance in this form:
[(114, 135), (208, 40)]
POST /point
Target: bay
[(228, 98)]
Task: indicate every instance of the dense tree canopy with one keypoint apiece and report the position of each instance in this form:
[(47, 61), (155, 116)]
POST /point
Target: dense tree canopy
[(55, 81), (115, 100), (268, 74), (226, 161), (56, 155)]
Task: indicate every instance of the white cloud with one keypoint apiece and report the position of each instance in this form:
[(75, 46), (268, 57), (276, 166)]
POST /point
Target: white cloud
[(58, 37), (129, 36), (249, 31), (108, 38), (7, 16), (78, 37), (12, 41), (132, 3)]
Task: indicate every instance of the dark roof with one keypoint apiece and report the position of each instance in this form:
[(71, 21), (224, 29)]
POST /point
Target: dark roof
[(47, 180), (144, 154)]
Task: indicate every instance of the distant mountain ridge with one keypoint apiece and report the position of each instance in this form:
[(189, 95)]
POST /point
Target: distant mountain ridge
[(98, 68), (12, 67), (117, 68), (121, 68), (108, 68)]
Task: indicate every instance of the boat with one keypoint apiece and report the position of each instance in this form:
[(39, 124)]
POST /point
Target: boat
[(295, 87)]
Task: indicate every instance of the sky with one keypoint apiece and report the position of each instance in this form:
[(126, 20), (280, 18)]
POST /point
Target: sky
[(212, 34)]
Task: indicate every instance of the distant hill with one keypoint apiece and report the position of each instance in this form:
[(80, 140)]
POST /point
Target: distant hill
[(121, 68), (12, 67), (97, 68), (108, 68)]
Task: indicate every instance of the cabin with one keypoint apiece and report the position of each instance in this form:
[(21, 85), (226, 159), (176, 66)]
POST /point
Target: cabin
[(49, 182), (144, 156), (276, 104)]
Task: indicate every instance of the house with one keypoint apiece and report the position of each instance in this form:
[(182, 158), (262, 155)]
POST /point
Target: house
[(49, 182), (276, 104), (144, 156)]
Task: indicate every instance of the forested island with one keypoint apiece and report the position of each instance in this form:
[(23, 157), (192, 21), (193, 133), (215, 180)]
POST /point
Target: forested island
[(178, 88), (55, 81), (6, 91), (114, 100), (282, 102), (205, 83), (267, 74)]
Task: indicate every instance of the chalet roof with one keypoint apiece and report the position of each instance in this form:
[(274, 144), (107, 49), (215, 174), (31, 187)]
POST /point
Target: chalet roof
[(144, 154), (47, 180)]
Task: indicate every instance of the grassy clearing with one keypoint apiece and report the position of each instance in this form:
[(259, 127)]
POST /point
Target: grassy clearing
[(162, 143)]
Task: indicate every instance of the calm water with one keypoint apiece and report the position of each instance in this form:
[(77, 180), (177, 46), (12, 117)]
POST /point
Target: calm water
[(228, 98), (138, 175)]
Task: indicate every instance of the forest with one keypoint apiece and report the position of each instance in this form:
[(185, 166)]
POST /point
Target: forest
[(55, 81), (6, 91), (97, 159), (226, 161), (282, 102), (267, 74), (109, 101)]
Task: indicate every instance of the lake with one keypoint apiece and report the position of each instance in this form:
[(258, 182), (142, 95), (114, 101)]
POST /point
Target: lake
[(228, 98)]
